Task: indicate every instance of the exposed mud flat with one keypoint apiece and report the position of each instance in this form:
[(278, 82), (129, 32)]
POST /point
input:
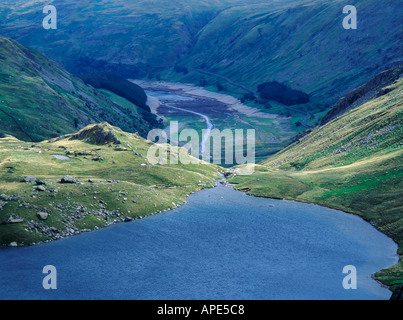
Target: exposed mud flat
[(191, 90)]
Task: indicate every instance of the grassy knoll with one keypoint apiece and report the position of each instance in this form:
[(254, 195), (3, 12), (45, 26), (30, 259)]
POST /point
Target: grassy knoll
[(353, 163), (114, 182)]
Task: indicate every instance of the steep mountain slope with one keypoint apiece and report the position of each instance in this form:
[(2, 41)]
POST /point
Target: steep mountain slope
[(136, 37), (302, 45), (39, 99), (353, 163), (298, 42), (370, 90), (124, 35), (109, 180)]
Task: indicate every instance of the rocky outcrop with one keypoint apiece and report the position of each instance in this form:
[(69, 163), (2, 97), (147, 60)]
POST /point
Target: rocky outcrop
[(29, 179), (374, 88), (97, 134), (68, 179), (4, 197)]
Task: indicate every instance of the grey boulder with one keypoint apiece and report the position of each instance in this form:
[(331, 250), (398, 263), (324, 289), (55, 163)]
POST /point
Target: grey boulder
[(68, 179), (42, 215)]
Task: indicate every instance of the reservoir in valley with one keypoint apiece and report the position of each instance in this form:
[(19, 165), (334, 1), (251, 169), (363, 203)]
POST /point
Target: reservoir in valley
[(222, 244)]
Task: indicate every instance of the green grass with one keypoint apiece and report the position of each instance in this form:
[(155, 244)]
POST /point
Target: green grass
[(353, 164), (299, 43), (40, 100), (137, 188)]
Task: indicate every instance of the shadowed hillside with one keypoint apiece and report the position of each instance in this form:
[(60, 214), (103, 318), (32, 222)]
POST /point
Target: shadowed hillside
[(39, 99), (302, 45), (371, 90), (299, 43)]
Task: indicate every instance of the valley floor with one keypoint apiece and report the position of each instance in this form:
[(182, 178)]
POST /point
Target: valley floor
[(273, 131)]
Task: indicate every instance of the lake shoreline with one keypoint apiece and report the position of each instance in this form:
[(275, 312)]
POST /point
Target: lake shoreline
[(341, 211), (111, 224), (192, 90), (281, 205), (174, 88)]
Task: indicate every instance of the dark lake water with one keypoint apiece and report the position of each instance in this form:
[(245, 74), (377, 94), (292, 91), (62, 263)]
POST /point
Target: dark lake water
[(222, 244)]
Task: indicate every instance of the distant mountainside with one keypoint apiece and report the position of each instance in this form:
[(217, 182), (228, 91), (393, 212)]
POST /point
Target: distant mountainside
[(353, 163), (40, 100), (300, 43), (136, 37)]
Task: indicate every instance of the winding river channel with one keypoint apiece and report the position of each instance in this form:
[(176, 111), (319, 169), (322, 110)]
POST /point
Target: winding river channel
[(208, 130)]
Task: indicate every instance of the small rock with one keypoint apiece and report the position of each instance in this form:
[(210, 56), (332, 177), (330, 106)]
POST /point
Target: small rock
[(40, 188), (2, 204), (13, 244), (14, 198), (42, 215), (13, 219), (68, 179), (29, 179)]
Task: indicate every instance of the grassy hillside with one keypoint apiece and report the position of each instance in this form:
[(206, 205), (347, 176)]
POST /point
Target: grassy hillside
[(302, 45), (369, 91), (297, 42), (40, 100), (118, 34), (353, 163), (136, 37), (112, 182)]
